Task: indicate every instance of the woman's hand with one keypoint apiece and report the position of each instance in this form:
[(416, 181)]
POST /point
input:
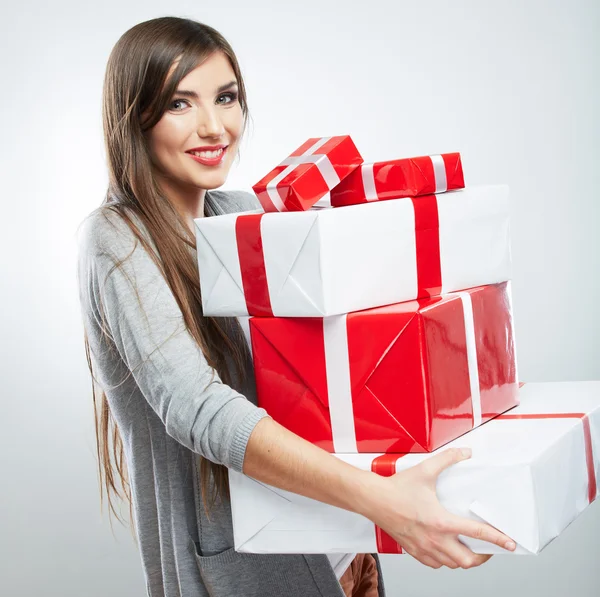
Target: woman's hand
[(404, 505), (409, 511)]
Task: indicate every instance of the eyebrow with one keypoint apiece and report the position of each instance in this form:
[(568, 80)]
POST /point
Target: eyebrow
[(194, 95)]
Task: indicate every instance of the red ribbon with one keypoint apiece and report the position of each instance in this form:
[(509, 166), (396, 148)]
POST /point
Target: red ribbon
[(427, 237), (385, 465), (252, 265)]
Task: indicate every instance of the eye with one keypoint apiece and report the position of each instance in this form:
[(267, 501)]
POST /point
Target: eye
[(177, 101), (231, 96)]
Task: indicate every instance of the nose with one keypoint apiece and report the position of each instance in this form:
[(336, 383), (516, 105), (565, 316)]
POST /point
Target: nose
[(209, 123)]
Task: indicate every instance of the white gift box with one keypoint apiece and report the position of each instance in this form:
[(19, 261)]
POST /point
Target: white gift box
[(532, 471), (337, 260)]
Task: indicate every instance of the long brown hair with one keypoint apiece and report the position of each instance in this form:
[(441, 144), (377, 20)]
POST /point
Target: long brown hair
[(136, 93)]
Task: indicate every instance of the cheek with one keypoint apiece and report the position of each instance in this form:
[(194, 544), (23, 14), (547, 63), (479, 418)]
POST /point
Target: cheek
[(234, 121), (156, 147), (168, 135)]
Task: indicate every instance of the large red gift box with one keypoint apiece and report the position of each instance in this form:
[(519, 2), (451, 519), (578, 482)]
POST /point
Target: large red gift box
[(308, 174), (393, 179), (407, 377)]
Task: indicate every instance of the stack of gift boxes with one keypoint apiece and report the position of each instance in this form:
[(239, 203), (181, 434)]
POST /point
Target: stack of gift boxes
[(381, 330)]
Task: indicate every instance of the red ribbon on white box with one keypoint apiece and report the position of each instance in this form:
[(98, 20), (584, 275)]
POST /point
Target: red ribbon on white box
[(310, 156), (385, 465), (339, 389), (252, 265), (439, 173)]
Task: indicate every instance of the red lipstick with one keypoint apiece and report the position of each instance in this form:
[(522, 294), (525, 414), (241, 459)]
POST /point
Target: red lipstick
[(205, 160)]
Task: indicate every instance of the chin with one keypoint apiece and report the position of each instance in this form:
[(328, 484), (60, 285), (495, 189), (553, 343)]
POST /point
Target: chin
[(212, 183), (213, 180)]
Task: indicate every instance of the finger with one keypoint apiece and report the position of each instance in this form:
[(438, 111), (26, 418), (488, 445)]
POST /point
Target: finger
[(481, 558), (430, 561), (436, 464), (481, 531), (445, 559), (422, 556), (462, 555)]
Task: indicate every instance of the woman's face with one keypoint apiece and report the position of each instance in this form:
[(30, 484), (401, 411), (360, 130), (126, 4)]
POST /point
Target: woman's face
[(204, 115)]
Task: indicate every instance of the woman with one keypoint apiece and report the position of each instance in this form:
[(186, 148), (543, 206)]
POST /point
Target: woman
[(177, 387)]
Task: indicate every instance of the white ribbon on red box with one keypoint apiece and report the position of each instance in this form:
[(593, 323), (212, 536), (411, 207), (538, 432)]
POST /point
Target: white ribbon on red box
[(310, 156), (439, 173)]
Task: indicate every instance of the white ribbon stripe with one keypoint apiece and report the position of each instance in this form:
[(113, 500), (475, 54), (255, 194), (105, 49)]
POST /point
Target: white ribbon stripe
[(339, 390), (467, 306), (368, 178), (322, 162), (439, 173)]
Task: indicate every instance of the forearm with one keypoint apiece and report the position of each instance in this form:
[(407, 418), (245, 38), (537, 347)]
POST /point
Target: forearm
[(280, 458)]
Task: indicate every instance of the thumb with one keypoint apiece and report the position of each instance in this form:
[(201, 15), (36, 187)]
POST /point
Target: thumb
[(436, 464)]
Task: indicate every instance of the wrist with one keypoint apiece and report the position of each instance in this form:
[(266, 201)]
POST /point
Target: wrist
[(370, 496)]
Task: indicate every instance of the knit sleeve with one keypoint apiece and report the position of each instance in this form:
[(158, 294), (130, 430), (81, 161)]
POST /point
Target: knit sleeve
[(148, 330)]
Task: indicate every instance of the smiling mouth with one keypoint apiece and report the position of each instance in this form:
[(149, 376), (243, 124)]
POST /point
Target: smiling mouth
[(211, 155), (208, 158)]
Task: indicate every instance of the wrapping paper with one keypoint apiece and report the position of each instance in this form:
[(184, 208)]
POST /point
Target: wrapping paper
[(309, 173), (400, 178), (533, 470), (407, 377), (332, 261)]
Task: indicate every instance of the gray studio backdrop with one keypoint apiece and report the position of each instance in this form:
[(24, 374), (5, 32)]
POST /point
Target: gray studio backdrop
[(513, 85)]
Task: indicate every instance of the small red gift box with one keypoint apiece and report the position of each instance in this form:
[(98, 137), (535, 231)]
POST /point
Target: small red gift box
[(308, 174), (407, 377), (409, 177)]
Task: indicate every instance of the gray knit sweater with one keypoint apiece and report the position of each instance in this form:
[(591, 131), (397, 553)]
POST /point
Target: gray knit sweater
[(169, 410)]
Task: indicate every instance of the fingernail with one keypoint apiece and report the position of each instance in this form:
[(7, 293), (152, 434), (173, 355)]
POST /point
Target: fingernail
[(510, 545), (466, 451)]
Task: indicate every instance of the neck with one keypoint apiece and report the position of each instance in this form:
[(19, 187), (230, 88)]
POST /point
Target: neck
[(189, 201)]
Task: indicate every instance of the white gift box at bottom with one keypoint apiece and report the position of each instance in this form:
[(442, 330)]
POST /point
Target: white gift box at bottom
[(532, 471)]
